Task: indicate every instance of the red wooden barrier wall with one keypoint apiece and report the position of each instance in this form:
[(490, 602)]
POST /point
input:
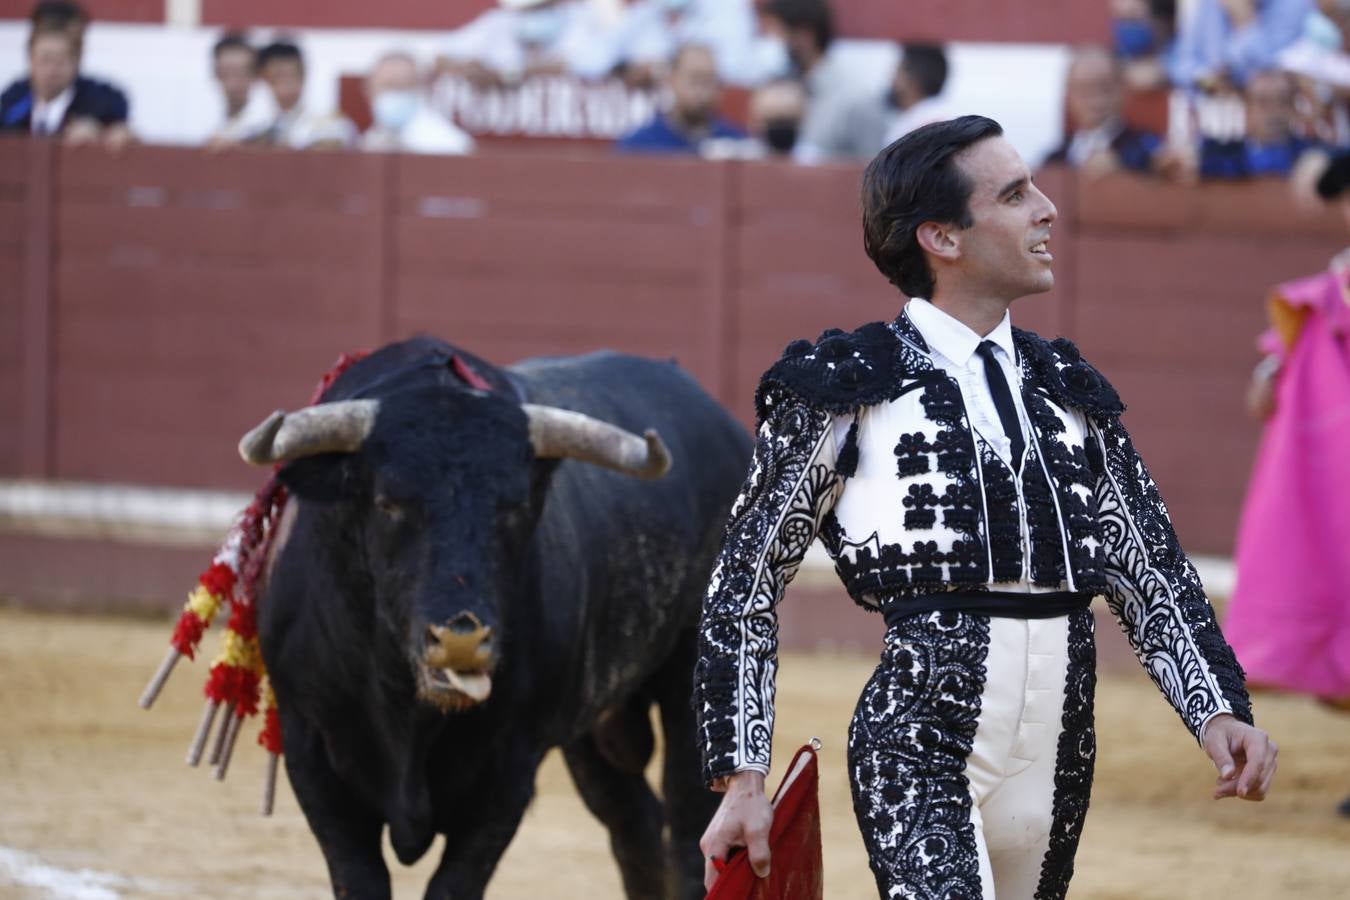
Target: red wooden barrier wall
[(191, 293), (14, 240)]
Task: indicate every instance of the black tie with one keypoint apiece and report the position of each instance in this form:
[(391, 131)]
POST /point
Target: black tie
[(1003, 401)]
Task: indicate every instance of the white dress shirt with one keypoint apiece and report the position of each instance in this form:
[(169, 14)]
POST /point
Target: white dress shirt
[(1086, 144), (47, 116), (953, 347)]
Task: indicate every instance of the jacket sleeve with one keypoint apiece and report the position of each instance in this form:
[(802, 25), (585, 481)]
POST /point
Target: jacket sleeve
[(791, 486), (1155, 593)]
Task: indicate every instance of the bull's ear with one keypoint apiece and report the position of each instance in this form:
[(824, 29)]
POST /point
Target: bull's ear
[(325, 478)]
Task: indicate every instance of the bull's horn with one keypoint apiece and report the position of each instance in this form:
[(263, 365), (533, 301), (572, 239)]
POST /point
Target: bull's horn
[(327, 428), (564, 434)]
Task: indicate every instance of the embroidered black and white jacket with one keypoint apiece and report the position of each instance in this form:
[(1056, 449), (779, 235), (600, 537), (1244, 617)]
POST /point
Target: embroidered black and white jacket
[(915, 503)]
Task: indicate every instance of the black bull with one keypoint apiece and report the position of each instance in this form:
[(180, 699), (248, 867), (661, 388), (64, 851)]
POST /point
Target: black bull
[(447, 606)]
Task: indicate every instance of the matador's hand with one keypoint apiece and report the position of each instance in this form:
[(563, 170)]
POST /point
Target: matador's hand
[(743, 820), (1244, 756)]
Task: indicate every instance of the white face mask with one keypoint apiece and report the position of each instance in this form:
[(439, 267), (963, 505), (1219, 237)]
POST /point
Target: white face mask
[(1321, 31), (540, 26), (394, 109)]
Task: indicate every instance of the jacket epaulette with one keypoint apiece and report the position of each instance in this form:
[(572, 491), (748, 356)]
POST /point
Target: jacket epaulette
[(838, 373), (1066, 376), (842, 371)]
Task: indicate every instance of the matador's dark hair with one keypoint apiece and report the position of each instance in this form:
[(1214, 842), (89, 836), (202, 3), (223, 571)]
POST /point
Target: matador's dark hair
[(916, 180)]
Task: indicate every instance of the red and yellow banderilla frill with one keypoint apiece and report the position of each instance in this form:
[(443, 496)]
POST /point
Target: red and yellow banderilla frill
[(237, 680)]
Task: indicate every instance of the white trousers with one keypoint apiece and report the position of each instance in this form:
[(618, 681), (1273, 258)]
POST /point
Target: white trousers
[(971, 756)]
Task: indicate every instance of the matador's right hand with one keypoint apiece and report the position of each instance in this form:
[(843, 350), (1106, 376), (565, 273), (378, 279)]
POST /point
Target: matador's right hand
[(743, 820)]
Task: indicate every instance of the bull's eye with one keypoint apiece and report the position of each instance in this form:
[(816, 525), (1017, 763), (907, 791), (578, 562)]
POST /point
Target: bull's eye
[(388, 508)]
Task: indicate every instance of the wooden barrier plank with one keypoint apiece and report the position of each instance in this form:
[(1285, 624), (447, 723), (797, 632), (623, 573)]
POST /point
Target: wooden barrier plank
[(1047, 21), (184, 319), (509, 258), (1191, 430), (36, 326), (637, 189), (14, 236), (1256, 209), (307, 237), (799, 266), (1198, 299)]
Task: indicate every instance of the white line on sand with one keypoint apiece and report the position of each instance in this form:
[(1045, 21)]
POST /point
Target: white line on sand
[(25, 870)]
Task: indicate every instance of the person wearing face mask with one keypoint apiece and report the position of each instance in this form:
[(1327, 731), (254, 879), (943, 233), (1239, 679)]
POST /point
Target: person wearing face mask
[(806, 29), (691, 119), (864, 126), (917, 91), (523, 38), (1144, 39), (402, 119), (776, 111)]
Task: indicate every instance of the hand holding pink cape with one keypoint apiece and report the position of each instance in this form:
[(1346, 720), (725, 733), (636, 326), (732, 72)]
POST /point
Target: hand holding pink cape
[(1289, 617)]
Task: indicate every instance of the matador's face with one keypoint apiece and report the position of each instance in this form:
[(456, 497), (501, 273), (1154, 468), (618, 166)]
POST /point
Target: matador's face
[(1005, 252)]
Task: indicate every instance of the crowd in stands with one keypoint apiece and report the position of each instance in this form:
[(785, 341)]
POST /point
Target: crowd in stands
[(1285, 63)]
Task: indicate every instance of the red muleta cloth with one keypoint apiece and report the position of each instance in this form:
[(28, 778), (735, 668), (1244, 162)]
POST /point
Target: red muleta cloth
[(796, 872)]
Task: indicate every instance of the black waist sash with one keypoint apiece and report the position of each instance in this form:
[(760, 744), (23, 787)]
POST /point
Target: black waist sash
[(1007, 604)]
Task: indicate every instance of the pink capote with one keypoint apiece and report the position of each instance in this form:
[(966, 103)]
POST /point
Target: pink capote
[(1289, 617)]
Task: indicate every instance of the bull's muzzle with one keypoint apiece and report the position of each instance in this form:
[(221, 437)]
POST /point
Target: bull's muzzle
[(456, 663)]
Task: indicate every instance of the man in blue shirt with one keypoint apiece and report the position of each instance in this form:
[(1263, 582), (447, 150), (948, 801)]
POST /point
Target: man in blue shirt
[(695, 94), (1228, 40)]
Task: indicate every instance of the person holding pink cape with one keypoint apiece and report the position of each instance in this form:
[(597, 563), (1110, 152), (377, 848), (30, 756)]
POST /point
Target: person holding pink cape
[(1289, 617)]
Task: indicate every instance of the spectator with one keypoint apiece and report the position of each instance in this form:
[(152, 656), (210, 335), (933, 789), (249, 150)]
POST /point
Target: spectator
[(917, 90), (55, 99), (806, 29), (522, 38), (282, 67), (1145, 41), (867, 124), (776, 112), (403, 121), (1270, 146), (1321, 63), (643, 44), (1098, 139), (1226, 41), (234, 64), (695, 95)]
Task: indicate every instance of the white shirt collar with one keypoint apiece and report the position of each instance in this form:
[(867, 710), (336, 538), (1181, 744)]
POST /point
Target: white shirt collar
[(953, 338), (53, 111)]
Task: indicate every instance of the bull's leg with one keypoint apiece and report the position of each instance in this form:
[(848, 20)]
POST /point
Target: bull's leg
[(625, 804), (485, 823), (348, 834), (689, 803)]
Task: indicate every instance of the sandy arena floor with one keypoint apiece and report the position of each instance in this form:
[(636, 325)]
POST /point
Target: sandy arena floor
[(95, 801)]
